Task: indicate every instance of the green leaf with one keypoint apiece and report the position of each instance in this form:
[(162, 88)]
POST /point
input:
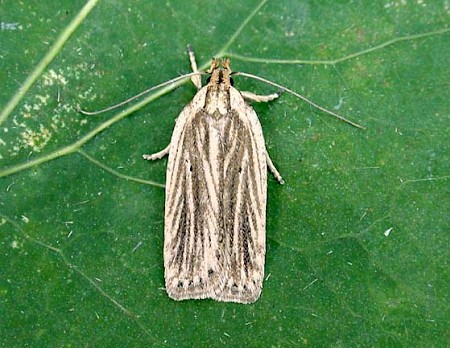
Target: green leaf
[(357, 237)]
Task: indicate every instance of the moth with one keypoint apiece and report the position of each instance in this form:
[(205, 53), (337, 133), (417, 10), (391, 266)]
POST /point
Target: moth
[(216, 193), (216, 189)]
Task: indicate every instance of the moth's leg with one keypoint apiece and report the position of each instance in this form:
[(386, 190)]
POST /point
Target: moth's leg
[(259, 98), (274, 170), (265, 98), (196, 80), (157, 155)]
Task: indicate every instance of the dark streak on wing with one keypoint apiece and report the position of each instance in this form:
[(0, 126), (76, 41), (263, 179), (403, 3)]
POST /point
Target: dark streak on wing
[(180, 234)]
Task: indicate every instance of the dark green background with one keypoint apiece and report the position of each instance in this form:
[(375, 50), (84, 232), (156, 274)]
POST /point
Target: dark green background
[(81, 247)]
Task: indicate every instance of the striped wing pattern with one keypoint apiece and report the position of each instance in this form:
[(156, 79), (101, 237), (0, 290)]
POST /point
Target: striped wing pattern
[(215, 203)]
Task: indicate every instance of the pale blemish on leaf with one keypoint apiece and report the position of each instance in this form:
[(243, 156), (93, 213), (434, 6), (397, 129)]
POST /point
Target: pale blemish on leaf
[(36, 140), (47, 103)]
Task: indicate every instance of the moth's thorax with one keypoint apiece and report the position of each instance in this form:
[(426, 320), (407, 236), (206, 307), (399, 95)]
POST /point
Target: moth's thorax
[(218, 89)]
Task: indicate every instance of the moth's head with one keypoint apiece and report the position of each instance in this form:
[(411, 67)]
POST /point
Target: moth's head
[(221, 64), (220, 72)]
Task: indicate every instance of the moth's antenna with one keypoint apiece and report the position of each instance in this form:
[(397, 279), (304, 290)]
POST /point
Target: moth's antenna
[(139, 95), (301, 97)]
